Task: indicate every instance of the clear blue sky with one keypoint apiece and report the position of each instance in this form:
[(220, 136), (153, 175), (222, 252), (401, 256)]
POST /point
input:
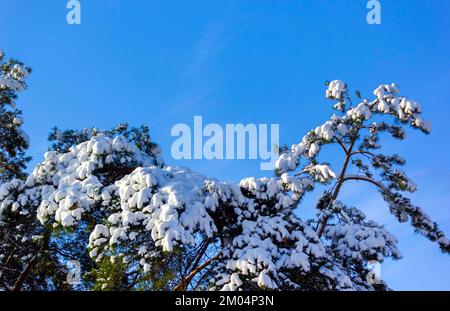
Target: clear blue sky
[(162, 62)]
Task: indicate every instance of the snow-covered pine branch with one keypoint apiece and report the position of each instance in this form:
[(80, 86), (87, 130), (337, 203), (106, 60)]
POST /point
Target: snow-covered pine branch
[(357, 132)]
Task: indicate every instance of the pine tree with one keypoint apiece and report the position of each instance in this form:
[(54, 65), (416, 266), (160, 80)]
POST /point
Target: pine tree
[(14, 141), (71, 244), (22, 237)]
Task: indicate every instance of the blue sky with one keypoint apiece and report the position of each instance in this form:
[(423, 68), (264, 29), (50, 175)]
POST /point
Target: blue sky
[(162, 62)]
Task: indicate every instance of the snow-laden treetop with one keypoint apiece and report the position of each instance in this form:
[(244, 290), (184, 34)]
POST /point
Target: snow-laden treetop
[(246, 236)]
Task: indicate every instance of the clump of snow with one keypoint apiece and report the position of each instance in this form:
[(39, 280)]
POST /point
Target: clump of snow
[(335, 89)]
